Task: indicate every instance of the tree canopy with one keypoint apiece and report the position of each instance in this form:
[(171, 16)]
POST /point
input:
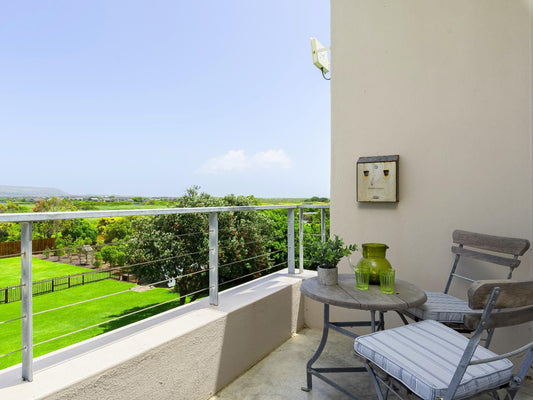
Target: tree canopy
[(177, 246)]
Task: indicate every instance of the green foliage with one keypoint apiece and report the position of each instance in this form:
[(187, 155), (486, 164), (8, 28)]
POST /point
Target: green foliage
[(48, 229), (117, 230), (61, 243), (85, 205), (102, 224), (328, 254), (175, 245), (77, 229), (316, 199), (5, 230), (54, 204), (113, 256)]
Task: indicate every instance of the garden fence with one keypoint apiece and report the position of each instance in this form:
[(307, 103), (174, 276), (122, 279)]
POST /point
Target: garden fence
[(12, 293)]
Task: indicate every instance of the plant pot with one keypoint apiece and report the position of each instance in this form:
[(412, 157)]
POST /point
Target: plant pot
[(374, 258), (328, 276)]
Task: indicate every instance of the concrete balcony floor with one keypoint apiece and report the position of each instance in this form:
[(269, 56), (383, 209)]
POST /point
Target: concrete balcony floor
[(281, 375)]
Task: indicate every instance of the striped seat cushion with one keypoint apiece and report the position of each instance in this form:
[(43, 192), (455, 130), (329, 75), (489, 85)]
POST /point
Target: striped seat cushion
[(442, 307), (424, 356)]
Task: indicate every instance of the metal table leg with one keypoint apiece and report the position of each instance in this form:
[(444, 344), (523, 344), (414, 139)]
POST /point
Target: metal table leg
[(318, 372), (318, 352)]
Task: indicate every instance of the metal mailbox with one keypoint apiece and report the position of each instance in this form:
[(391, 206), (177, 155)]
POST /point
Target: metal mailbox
[(377, 179)]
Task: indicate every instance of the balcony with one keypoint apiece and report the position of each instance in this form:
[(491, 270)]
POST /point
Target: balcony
[(239, 323), (254, 343)]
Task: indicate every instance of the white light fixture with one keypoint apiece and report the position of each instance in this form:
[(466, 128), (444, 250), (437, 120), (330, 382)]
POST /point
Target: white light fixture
[(320, 56)]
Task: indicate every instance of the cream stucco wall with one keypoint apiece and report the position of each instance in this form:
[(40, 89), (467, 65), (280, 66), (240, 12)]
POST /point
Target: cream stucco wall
[(188, 353), (446, 84)]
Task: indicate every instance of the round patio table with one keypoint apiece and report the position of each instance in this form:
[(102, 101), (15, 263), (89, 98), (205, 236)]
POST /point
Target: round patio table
[(346, 295)]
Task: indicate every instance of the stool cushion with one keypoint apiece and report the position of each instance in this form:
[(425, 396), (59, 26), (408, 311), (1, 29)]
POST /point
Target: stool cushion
[(442, 307), (424, 357)]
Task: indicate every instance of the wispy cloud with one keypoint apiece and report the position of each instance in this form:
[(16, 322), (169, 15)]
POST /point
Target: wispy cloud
[(238, 161)]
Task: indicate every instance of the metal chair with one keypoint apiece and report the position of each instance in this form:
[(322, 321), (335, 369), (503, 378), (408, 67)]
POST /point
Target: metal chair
[(436, 362), (451, 310)]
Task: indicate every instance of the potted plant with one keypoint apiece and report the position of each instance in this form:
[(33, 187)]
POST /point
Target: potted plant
[(327, 256)]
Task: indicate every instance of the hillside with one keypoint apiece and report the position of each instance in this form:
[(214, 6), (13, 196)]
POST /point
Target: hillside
[(28, 191)]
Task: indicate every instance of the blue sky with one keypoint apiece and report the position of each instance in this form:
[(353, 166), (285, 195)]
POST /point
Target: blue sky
[(152, 97)]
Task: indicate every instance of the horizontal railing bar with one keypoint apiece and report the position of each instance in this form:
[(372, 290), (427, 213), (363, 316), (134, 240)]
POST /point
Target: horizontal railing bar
[(54, 216), (116, 293), (249, 258), (80, 302), (164, 259), (178, 277), (11, 255), (11, 320), (252, 242), (12, 352)]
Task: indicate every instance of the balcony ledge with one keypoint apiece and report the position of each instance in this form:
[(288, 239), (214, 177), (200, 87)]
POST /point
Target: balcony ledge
[(190, 352)]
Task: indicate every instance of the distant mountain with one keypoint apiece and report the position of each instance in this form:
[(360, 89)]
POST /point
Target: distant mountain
[(27, 191)]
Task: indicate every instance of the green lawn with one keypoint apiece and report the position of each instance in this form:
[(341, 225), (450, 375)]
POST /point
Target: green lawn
[(41, 270), (60, 322)]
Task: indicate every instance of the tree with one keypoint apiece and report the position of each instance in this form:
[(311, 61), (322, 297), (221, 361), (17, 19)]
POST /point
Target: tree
[(12, 207), (5, 230), (51, 228), (176, 246), (113, 256), (117, 230), (80, 229)]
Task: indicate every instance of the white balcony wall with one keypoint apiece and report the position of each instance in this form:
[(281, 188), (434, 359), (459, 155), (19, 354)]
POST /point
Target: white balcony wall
[(188, 353), (446, 84)]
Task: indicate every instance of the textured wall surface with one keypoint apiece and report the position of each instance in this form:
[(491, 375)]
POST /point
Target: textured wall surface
[(446, 84)]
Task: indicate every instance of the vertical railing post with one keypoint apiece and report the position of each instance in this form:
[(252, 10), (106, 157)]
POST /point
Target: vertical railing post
[(301, 239), (323, 224), (26, 300), (213, 258), (290, 240)]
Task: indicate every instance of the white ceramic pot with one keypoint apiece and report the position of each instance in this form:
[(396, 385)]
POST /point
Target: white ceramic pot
[(328, 276)]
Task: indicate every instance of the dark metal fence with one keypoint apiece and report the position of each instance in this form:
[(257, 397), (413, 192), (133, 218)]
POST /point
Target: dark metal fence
[(12, 293)]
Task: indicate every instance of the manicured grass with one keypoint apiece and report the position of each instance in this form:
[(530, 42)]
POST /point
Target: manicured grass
[(60, 322), (41, 270)]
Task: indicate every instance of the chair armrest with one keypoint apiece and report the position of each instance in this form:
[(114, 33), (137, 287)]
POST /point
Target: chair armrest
[(513, 294), (501, 357)]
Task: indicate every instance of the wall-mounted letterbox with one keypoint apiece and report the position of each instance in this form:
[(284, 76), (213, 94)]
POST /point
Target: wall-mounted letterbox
[(377, 179)]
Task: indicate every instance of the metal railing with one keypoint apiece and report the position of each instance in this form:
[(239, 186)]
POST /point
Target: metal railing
[(27, 219)]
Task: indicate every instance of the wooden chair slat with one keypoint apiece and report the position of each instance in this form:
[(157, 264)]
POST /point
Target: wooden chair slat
[(501, 244), (508, 262), (508, 317), (513, 293)]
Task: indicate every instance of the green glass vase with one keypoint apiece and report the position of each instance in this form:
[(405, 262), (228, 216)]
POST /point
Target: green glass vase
[(374, 258)]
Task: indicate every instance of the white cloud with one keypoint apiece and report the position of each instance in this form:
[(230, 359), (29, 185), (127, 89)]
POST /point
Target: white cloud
[(238, 161)]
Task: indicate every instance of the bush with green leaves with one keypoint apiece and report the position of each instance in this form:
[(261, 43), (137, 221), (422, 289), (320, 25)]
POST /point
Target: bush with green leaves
[(113, 256), (80, 229), (177, 246), (328, 254)]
